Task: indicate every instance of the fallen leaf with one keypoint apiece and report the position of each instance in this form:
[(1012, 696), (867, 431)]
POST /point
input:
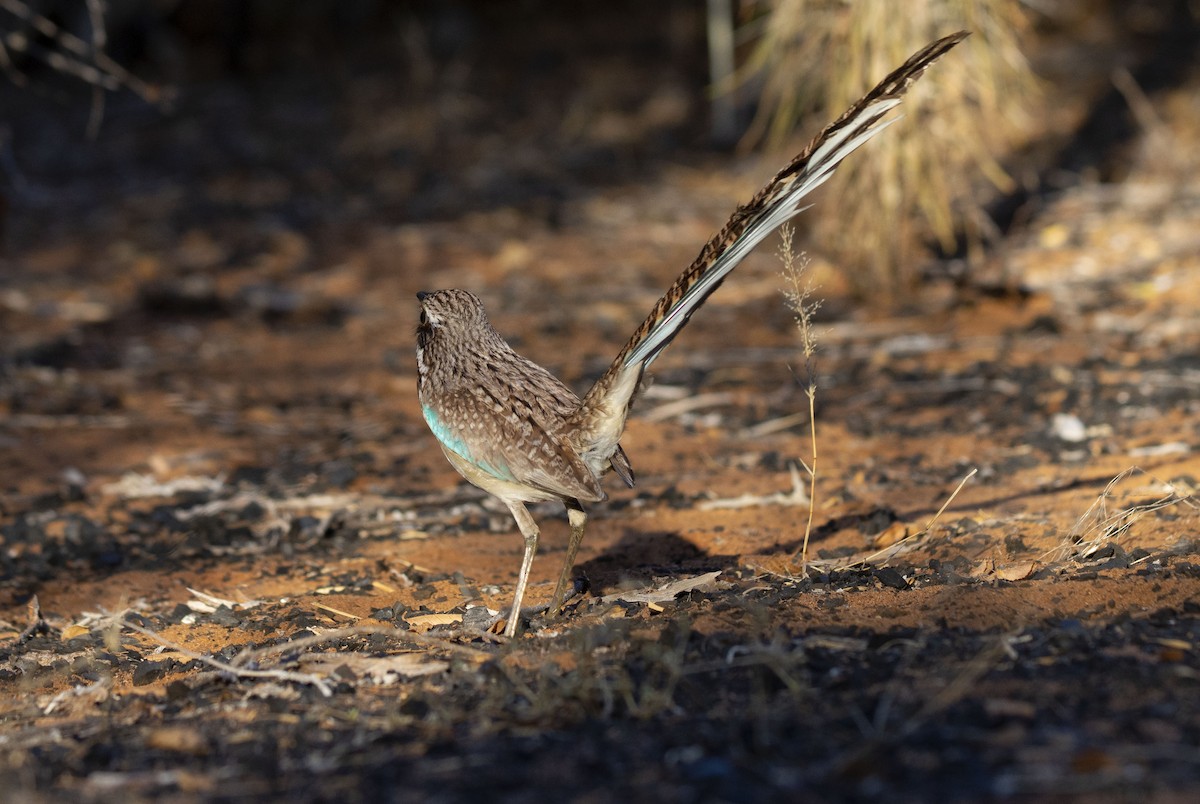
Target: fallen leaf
[(891, 534), (1015, 571), (426, 621), (330, 610), (985, 567), (72, 631)]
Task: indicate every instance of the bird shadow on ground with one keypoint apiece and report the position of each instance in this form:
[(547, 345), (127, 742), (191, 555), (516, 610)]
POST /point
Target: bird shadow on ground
[(642, 557)]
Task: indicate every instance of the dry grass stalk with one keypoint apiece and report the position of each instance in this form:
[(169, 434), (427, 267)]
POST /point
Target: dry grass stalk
[(907, 544), (799, 294), (813, 56)]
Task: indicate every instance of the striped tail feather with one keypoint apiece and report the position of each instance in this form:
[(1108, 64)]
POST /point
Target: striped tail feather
[(601, 418)]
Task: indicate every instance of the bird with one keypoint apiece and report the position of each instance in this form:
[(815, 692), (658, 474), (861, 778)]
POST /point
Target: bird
[(513, 429)]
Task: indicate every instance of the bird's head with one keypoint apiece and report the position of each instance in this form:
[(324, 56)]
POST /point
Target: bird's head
[(451, 315)]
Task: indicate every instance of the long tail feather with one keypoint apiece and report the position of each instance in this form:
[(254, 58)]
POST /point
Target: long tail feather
[(776, 203), (601, 417)]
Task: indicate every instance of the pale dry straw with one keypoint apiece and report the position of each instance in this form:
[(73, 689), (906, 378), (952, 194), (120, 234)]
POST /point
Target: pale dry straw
[(922, 186)]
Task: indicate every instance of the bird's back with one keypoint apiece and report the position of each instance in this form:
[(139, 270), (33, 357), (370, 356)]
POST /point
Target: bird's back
[(507, 416)]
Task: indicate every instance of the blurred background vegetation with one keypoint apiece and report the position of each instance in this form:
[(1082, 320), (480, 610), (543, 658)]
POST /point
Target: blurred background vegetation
[(417, 110), (812, 58)]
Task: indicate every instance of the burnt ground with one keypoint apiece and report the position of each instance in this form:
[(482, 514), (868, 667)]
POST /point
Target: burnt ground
[(258, 577)]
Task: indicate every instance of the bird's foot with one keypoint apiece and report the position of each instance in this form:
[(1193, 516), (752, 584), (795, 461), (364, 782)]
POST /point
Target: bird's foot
[(580, 584)]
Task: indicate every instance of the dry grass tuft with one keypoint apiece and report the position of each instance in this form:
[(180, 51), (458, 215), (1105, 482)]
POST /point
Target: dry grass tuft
[(917, 184), (1102, 525)]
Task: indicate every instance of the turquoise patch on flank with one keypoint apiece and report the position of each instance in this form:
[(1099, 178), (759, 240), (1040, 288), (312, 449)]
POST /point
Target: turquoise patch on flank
[(459, 447), (443, 433)]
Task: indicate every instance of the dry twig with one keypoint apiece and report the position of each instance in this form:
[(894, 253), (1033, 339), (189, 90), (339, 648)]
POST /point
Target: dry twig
[(238, 672)]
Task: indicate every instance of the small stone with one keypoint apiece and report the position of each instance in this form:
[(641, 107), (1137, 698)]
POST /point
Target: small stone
[(1068, 428), (148, 672), (891, 578)]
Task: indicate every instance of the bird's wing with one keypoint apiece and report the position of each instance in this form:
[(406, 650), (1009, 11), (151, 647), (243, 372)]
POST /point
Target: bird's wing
[(514, 437)]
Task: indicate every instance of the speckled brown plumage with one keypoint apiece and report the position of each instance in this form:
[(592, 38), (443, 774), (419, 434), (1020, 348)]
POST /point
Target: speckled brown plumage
[(508, 412), (513, 429)]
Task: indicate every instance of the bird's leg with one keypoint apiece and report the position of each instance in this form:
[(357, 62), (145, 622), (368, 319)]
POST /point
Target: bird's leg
[(578, 519), (529, 530)]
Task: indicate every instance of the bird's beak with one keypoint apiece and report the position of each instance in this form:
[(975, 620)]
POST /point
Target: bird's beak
[(421, 294)]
